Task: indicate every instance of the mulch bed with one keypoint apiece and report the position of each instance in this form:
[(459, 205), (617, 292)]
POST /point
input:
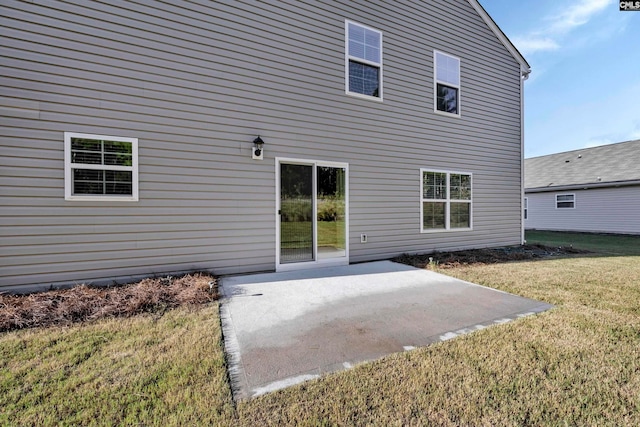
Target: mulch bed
[(87, 303), (156, 295), (486, 256)]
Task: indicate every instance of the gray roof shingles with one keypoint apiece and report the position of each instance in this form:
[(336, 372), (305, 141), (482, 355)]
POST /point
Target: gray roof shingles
[(613, 163)]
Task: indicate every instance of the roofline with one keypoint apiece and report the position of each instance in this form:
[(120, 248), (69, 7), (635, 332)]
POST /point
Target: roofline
[(580, 150), (583, 186), (525, 68)]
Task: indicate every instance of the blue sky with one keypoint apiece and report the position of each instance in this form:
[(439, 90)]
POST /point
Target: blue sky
[(584, 89)]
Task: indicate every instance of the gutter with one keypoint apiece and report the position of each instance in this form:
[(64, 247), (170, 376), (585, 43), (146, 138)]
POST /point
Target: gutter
[(523, 76), (611, 184)]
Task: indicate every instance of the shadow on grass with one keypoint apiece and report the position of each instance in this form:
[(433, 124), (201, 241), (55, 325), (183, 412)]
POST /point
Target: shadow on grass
[(602, 244), (542, 245), (487, 256)]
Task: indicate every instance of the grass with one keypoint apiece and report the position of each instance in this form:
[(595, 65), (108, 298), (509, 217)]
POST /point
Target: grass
[(135, 371), (601, 243), (578, 364), (297, 234)]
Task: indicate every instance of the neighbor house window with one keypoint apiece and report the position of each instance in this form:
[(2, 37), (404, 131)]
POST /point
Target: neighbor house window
[(447, 83), (363, 61), (565, 201), (526, 207), (99, 167), (445, 200)]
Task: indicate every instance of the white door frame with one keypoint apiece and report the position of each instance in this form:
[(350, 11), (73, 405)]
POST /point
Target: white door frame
[(317, 262)]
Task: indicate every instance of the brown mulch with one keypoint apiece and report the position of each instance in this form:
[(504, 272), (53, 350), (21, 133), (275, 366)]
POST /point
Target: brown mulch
[(87, 303), (156, 295), (486, 256)]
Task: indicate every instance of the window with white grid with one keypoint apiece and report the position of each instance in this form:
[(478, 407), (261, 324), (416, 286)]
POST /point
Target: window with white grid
[(363, 65), (100, 168), (447, 83), (445, 200), (565, 201)]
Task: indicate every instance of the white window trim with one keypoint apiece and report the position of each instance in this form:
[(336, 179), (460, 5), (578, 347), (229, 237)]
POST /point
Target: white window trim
[(525, 214), (68, 167), (447, 228), (347, 57), (566, 201), (436, 82)]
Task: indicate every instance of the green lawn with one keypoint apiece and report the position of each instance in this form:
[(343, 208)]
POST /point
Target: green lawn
[(578, 364), (601, 243), (298, 234), (134, 371)]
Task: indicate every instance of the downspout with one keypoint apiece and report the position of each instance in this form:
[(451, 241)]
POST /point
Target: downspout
[(523, 76)]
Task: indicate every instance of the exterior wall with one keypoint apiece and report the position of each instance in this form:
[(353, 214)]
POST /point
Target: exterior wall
[(195, 83), (603, 210)]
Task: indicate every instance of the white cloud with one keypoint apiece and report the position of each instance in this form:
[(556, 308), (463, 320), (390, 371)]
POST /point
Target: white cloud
[(597, 142), (549, 36), (621, 135), (576, 15), (634, 132), (527, 45), (634, 135)]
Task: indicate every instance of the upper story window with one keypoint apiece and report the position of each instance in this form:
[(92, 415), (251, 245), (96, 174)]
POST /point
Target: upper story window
[(445, 200), (100, 168), (363, 66), (447, 83), (565, 201)]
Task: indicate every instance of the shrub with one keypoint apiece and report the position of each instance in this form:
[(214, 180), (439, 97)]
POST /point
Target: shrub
[(330, 209)]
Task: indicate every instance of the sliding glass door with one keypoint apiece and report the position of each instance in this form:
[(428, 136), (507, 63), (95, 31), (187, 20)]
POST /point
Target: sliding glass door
[(330, 212), (296, 213), (312, 211)]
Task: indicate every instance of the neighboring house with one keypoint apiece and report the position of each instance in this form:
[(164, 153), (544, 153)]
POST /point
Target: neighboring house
[(593, 190), (131, 136)]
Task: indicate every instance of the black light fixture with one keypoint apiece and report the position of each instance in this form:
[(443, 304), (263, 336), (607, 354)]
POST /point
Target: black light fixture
[(258, 143)]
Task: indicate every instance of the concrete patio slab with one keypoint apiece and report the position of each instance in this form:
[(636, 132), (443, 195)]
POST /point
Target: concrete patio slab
[(284, 328)]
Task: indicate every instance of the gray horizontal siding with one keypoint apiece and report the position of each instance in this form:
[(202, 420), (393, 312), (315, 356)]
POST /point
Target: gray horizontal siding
[(602, 210), (195, 82)]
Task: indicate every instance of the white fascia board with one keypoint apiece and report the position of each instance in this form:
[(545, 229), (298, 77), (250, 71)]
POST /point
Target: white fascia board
[(525, 68)]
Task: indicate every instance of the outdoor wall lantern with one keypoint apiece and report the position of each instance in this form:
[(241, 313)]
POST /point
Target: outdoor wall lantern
[(257, 153)]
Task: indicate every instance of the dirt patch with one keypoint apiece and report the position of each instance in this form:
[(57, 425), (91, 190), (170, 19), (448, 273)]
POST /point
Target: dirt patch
[(485, 256), (86, 303)]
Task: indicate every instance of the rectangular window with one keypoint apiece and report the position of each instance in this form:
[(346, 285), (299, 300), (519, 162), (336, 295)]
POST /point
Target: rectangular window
[(447, 83), (363, 61), (565, 201), (445, 200), (526, 207), (100, 167)]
